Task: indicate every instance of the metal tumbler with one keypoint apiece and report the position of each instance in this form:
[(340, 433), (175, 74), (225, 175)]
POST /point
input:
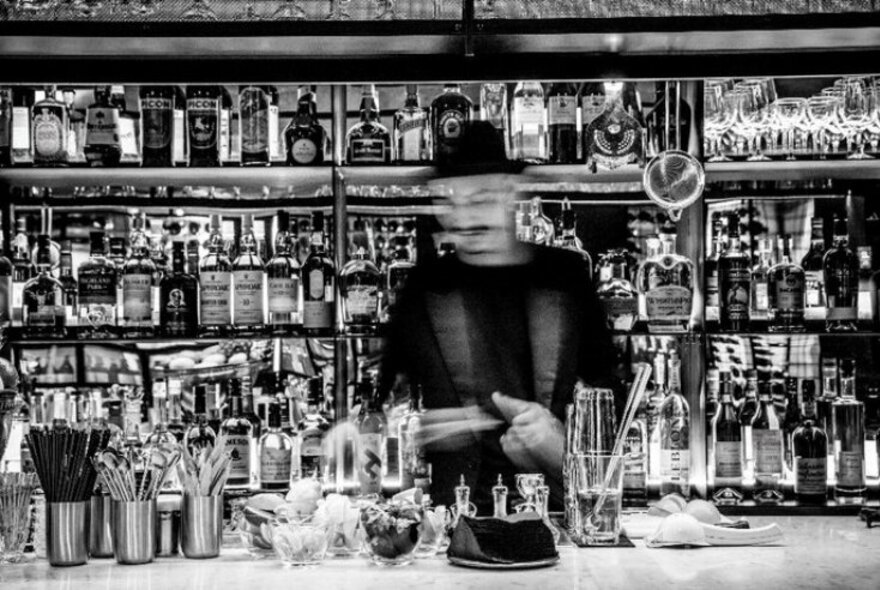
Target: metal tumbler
[(134, 531), (201, 526), (67, 533), (100, 536), (167, 532)]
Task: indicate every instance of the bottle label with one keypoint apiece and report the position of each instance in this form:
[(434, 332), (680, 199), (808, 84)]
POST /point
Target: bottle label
[(767, 445), (203, 115), (274, 132), (275, 465), (216, 307), (842, 313), (48, 134), (562, 110), (811, 475), (450, 125), (177, 306), (734, 295), (21, 129), (247, 295), (620, 311), (592, 106), (370, 461), (157, 120), (102, 126), (303, 151), (790, 294), (362, 301), (97, 289), (762, 296), (851, 468), (179, 147), (312, 456), (367, 150), (43, 314), (728, 459), (815, 283), (239, 449), (317, 314), (669, 303), (528, 111), (225, 137), (137, 298), (128, 138), (254, 121), (316, 284), (411, 141), (5, 299), (675, 465), (282, 295)]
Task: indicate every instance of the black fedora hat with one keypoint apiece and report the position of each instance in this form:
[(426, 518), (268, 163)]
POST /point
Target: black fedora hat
[(480, 151)]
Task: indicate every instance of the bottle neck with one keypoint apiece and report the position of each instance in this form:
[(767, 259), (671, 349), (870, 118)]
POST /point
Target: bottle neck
[(160, 404), (317, 241), (751, 389)]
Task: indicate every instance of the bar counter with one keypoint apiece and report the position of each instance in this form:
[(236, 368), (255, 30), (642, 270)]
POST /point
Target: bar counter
[(818, 552)]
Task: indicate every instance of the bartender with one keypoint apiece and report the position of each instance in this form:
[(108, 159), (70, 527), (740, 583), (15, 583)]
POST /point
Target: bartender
[(495, 335)]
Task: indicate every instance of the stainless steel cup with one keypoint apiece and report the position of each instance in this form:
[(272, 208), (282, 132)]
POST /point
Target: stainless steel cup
[(100, 536), (67, 533), (167, 533), (134, 531), (201, 526)]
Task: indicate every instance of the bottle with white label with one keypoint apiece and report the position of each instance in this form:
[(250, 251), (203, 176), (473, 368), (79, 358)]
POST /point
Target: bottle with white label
[(238, 433), (215, 285), (411, 130), (372, 430), (137, 284), (319, 283), (50, 129), (767, 449), (667, 283), (368, 141), (248, 283), (562, 127), (102, 146), (675, 435), (814, 271), (810, 451), (759, 297), (22, 142), (283, 280), (528, 124), (849, 437), (312, 428), (277, 450), (727, 445)]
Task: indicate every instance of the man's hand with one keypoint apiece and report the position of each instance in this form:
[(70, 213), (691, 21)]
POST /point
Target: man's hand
[(535, 438)]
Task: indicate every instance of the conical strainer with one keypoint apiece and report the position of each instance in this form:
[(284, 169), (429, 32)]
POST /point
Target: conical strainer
[(674, 180)]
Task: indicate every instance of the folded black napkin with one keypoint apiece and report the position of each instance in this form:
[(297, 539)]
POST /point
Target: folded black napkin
[(493, 540)]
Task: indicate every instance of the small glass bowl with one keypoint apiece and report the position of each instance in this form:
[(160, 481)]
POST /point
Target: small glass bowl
[(392, 532), (300, 542), (255, 534), (433, 538)]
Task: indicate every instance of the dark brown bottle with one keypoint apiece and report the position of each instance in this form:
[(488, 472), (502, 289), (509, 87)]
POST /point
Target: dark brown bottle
[(810, 450), (734, 281), (450, 112), (178, 314), (305, 138), (203, 125), (562, 132), (157, 121)]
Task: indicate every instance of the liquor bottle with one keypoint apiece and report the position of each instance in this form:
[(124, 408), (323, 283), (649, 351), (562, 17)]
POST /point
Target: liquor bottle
[(311, 430), (450, 112), (199, 435), (616, 292), (158, 125), (791, 419), (412, 132), (814, 270), (568, 239), (635, 471), (359, 285), (276, 453), (719, 245), (76, 126), (129, 136), (43, 298), (810, 451), (6, 274), (6, 127), (50, 127), (69, 286), (305, 139), (414, 468), (253, 121), (767, 450), (727, 443), (203, 125), (283, 281), (562, 129), (318, 276), (176, 426), (275, 147), (160, 434), (674, 435), (493, 108), (368, 140), (247, 405), (734, 281), (215, 282), (655, 400), (614, 138), (830, 392), (747, 410), (713, 397), (787, 298), (372, 430), (137, 284), (541, 226), (224, 130), (592, 103), (397, 273), (841, 269), (759, 298), (238, 432), (179, 144), (23, 268), (527, 124), (248, 282), (178, 307), (103, 147), (667, 282), (848, 415), (22, 139)]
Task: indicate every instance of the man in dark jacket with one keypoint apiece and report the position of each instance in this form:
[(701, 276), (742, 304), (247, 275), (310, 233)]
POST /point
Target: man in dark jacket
[(496, 335)]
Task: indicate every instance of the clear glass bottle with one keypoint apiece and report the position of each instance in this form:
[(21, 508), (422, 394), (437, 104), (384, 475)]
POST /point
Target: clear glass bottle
[(841, 269), (248, 283), (283, 280), (734, 281), (372, 430), (674, 435), (215, 284), (719, 246), (848, 415), (305, 139), (450, 112), (129, 127), (312, 428), (787, 292), (813, 266), (667, 282), (253, 122), (412, 131), (318, 278), (368, 141), (97, 292), (616, 293), (493, 108), (414, 468), (635, 472), (747, 410), (238, 433), (6, 127), (397, 273), (767, 450), (727, 445), (759, 299), (137, 284), (69, 285), (567, 238), (276, 454), (102, 146), (615, 137), (43, 298), (360, 282), (562, 128), (592, 104), (527, 123), (50, 128), (179, 295), (810, 452), (541, 227)]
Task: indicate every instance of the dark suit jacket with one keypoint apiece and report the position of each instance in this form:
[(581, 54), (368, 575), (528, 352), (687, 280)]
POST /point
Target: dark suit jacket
[(428, 343)]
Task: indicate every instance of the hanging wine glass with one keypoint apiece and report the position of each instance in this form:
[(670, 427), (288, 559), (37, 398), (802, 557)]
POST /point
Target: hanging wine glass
[(249, 13), (290, 10), (200, 10), (855, 116), (387, 10), (790, 113), (754, 113), (717, 122), (339, 10), (820, 111)]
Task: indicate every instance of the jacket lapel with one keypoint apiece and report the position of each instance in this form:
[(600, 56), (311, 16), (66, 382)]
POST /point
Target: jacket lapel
[(552, 335)]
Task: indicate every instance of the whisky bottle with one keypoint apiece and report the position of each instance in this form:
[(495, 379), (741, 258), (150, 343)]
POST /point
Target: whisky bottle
[(841, 269), (813, 266), (368, 140), (372, 431), (719, 246), (616, 293), (248, 283), (562, 131), (69, 286), (215, 281), (312, 429), (412, 132), (199, 435), (541, 227), (238, 434), (137, 284), (397, 273), (734, 281), (359, 285), (810, 451), (527, 124), (848, 415), (283, 281), (727, 445), (667, 282), (253, 123), (305, 139), (103, 147), (129, 135), (615, 137), (759, 299), (493, 108), (50, 127), (450, 112), (43, 298), (318, 278), (157, 104), (787, 297), (178, 311), (674, 436), (203, 125), (747, 410), (276, 451), (767, 450)]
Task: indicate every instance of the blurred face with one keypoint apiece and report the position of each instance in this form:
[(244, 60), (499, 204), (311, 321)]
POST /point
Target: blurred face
[(477, 214)]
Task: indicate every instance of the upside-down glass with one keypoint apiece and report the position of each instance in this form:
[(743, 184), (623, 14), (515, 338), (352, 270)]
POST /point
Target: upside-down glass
[(855, 116), (598, 484), (821, 118), (755, 112), (790, 114), (716, 119)]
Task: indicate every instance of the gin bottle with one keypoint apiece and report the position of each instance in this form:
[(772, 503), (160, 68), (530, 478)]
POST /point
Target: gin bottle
[(253, 121), (667, 282), (137, 284), (727, 445), (674, 436), (528, 128), (615, 137), (50, 128), (412, 132), (767, 450), (786, 282), (848, 415), (812, 264), (616, 292), (450, 112), (841, 267)]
